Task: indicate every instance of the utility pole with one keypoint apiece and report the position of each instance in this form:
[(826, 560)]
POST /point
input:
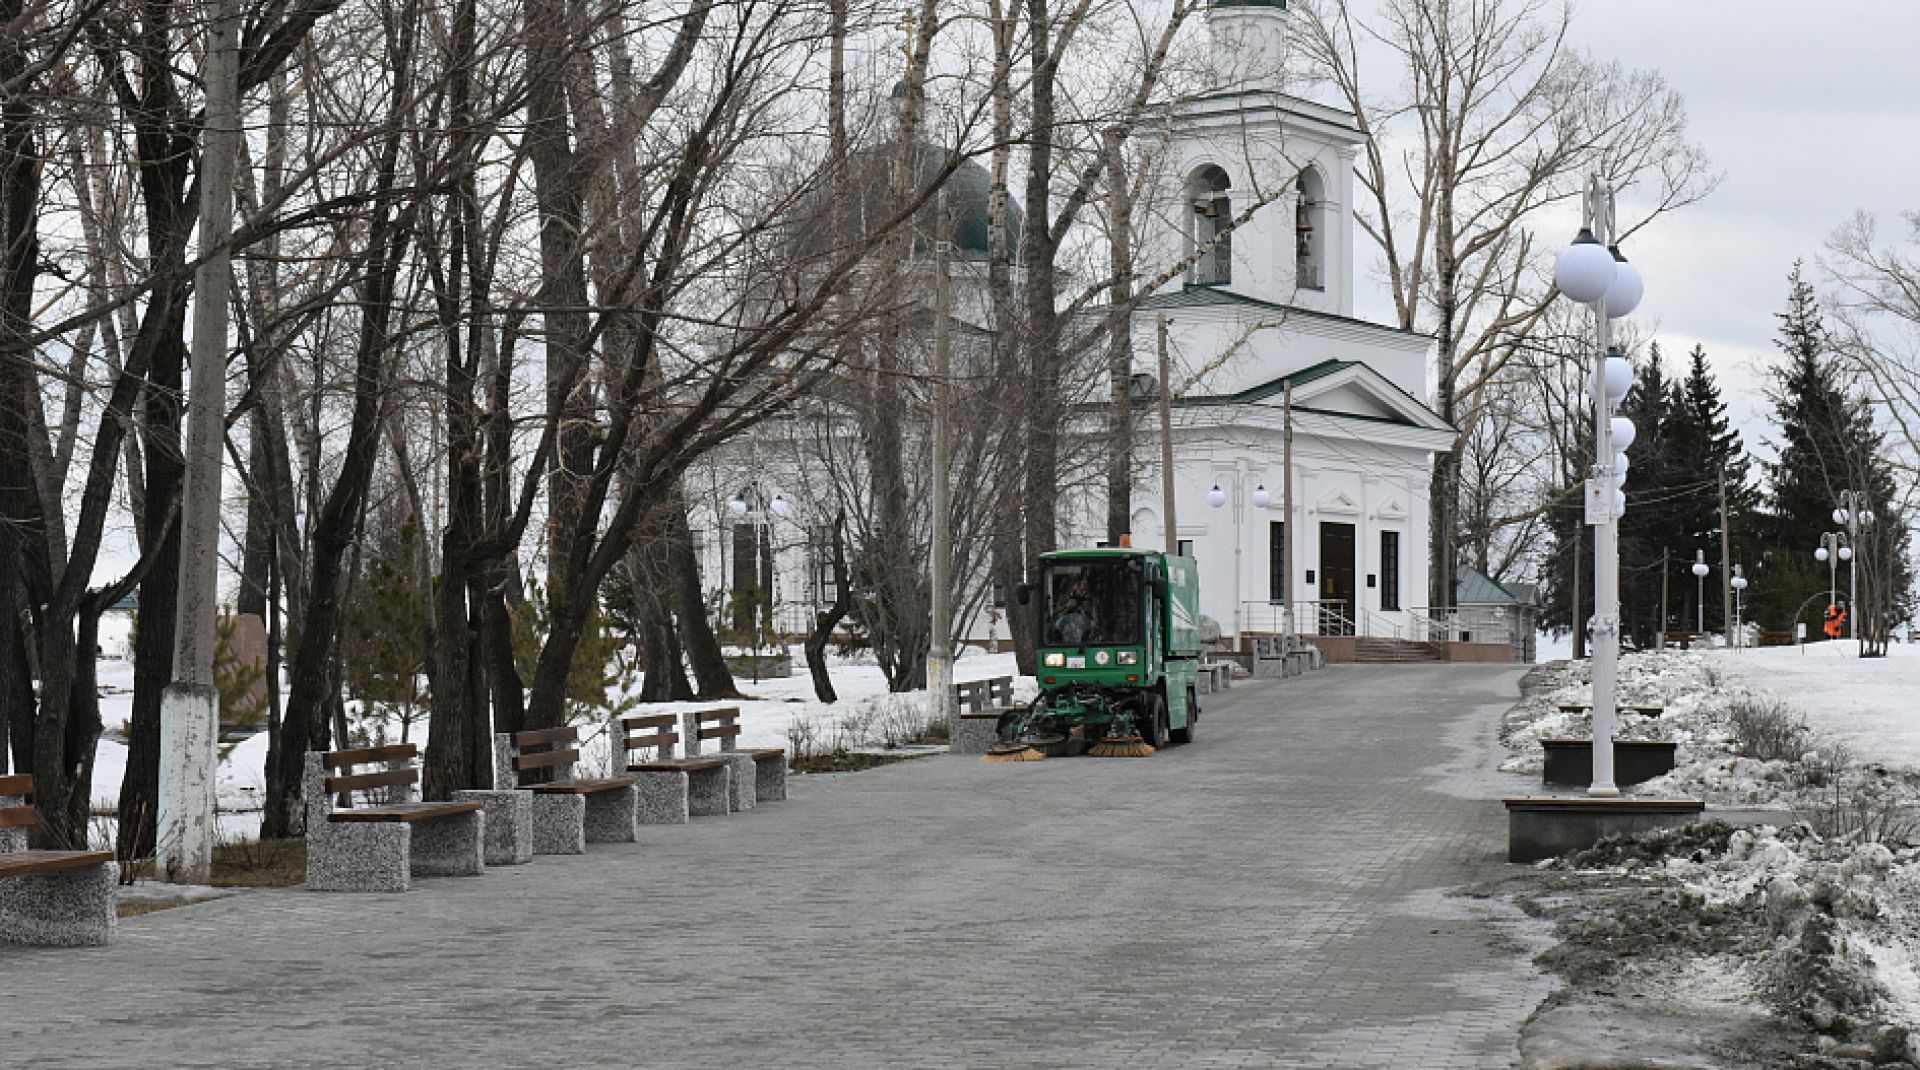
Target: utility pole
[(1726, 565), (940, 657), (1666, 573), (1286, 504), (1166, 437), (190, 705)]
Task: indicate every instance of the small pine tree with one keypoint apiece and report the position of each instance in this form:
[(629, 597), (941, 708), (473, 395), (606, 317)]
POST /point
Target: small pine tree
[(602, 680), (386, 640), (1827, 444)]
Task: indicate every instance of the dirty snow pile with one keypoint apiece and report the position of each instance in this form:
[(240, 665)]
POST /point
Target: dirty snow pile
[(1739, 743), (1822, 927), (1687, 684)]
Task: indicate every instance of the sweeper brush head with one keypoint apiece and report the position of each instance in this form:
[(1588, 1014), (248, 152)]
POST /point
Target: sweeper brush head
[(1012, 752), (1129, 747)]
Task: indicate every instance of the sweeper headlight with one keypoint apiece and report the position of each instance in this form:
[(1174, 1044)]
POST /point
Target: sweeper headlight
[(1128, 657), (1054, 661)]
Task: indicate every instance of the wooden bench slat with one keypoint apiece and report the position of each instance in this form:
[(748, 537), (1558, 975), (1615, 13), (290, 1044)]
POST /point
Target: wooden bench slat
[(19, 817), (541, 737), (16, 784), (524, 762), (363, 781), (680, 764), (658, 739), (420, 811), (651, 720), (763, 752), (580, 787), (23, 863), (347, 759), (725, 731), (719, 713)]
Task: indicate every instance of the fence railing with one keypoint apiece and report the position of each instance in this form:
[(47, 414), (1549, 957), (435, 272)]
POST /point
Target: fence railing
[(1337, 617)]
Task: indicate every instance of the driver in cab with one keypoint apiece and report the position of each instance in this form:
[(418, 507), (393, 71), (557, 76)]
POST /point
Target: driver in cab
[(1073, 622)]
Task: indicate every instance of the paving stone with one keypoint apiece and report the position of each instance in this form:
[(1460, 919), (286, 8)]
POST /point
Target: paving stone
[(1272, 895)]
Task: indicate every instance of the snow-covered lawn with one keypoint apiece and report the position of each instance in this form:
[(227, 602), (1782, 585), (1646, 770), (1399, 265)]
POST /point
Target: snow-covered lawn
[(861, 718), (1870, 704)]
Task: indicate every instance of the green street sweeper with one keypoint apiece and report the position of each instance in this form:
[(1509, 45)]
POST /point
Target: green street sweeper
[(1119, 644)]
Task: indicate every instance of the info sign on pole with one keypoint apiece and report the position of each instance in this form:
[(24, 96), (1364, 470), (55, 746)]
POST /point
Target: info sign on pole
[(1599, 501)]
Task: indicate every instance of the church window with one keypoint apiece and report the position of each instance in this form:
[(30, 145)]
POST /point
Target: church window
[(1212, 210), (1310, 231)]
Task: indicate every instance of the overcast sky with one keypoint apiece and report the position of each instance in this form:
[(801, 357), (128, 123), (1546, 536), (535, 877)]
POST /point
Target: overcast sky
[(1809, 111)]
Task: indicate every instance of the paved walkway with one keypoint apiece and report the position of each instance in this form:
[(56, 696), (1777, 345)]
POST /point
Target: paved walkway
[(1271, 895)]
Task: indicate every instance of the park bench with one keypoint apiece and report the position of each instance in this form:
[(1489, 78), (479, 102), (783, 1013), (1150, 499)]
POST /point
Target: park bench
[(569, 811), (49, 898), (670, 790), (382, 846), (978, 696), (1775, 638), (1569, 762), (1214, 676), (759, 773), (1624, 707), (1684, 640)]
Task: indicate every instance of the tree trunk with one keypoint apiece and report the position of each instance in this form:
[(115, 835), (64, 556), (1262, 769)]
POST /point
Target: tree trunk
[(828, 619), (712, 678)]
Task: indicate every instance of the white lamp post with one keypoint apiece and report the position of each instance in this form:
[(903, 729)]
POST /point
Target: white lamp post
[(1853, 515), (1261, 497), (1700, 591), (1739, 585), (1592, 272)]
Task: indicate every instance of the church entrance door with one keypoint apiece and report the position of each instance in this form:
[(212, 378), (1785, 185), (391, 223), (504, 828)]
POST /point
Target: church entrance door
[(1337, 609)]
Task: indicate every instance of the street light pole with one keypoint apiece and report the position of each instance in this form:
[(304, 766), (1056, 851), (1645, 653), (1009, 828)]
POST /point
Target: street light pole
[(1854, 515), (1739, 585), (1700, 593), (1591, 271)]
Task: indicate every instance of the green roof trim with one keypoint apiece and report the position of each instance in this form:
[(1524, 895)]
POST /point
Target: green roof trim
[(1202, 295), (1308, 374)]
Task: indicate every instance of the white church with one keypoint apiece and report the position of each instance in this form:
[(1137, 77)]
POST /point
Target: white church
[(1262, 340)]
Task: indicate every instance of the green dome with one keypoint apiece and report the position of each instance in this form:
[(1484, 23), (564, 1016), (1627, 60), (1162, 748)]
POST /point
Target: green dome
[(870, 185)]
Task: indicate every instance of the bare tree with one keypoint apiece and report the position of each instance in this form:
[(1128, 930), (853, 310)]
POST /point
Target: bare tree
[(1480, 121)]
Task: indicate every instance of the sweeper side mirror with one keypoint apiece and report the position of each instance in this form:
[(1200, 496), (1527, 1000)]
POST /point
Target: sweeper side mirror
[(1023, 593)]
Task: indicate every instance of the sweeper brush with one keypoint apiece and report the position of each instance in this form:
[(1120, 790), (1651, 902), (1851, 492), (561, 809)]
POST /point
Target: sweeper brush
[(1121, 741), (1012, 752)]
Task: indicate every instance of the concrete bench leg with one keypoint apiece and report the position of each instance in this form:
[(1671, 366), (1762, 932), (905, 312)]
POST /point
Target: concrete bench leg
[(660, 797), (770, 776), (972, 735), (358, 857), (710, 791), (744, 783), (559, 825), (509, 825), (451, 846), (610, 817), (69, 908)]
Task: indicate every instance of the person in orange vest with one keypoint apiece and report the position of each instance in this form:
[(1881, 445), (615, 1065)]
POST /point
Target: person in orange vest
[(1836, 621)]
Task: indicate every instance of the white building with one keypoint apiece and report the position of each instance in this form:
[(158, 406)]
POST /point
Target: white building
[(1269, 307), (1272, 308)]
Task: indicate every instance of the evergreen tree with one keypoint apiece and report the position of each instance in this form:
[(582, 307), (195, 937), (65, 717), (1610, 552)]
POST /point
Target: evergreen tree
[(1647, 526), (1827, 444), (1702, 444)]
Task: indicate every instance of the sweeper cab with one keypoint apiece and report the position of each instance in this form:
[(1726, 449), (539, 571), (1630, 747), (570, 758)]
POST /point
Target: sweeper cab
[(1119, 643)]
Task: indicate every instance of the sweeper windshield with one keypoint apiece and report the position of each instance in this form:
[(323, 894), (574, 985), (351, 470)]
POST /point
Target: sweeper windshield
[(1091, 603)]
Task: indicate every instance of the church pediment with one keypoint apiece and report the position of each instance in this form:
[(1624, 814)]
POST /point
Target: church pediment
[(1394, 509), (1337, 504)]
